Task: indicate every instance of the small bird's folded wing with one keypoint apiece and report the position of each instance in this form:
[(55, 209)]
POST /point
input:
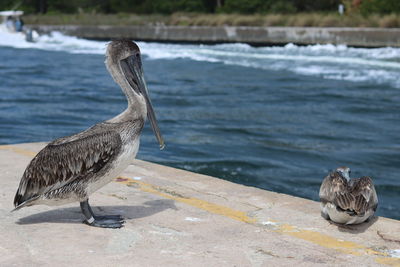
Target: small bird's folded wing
[(64, 161), (364, 193), (332, 186)]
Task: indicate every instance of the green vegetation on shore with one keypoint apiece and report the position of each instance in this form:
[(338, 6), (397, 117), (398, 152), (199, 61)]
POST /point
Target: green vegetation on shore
[(317, 13), (195, 19), (364, 7)]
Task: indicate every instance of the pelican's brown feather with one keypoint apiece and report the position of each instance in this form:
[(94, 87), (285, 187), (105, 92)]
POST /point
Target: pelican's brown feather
[(65, 160)]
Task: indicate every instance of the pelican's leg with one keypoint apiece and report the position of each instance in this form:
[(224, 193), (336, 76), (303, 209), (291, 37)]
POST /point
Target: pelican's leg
[(112, 221)]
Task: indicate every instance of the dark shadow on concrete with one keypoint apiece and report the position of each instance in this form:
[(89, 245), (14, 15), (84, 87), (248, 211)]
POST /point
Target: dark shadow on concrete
[(356, 228), (74, 215)]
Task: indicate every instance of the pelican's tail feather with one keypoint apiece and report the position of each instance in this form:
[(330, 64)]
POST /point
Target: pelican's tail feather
[(25, 203)]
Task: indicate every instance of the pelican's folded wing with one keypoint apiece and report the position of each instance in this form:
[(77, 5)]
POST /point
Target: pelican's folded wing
[(66, 160)]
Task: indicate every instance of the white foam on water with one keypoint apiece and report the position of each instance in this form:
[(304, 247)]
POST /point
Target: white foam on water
[(338, 62), (53, 42)]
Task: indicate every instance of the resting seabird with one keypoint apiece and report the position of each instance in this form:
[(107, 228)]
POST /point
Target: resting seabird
[(71, 168), (345, 200)]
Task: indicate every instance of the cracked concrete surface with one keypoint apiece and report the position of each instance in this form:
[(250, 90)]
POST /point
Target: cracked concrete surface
[(178, 217)]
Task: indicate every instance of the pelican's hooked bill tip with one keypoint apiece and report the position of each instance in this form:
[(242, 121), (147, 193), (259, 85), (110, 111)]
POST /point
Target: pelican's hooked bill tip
[(162, 146)]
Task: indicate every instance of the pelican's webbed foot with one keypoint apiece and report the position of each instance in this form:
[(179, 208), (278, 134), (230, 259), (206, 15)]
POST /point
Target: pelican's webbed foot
[(106, 221), (108, 217)]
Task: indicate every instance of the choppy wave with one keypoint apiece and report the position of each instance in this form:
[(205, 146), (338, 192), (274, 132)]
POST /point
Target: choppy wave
[(338, 62)]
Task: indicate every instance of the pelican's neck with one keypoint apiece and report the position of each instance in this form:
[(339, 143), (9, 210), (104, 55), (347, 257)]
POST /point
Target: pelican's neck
[(125, 116), (136, 104)]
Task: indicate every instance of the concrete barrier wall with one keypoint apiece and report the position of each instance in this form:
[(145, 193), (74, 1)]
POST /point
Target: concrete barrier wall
[(179, 218), (364, 37)]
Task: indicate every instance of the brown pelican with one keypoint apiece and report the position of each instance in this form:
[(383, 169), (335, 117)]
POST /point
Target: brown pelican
[(71, 168), (345, 200)]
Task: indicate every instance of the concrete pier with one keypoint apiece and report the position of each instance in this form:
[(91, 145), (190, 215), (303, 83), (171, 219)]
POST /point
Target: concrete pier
[(175, 217), (363, 37)]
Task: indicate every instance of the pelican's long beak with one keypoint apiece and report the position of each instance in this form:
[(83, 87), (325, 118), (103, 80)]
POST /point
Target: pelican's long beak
[(132, 68)]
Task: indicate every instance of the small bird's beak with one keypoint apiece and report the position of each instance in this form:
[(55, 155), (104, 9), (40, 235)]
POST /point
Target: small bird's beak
[(132, 68)]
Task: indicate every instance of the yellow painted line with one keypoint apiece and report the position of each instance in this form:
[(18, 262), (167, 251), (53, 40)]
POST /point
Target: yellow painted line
[(195, 202), (18, 150), (343, 246), (317, 238), (322, 239), (389, 261)]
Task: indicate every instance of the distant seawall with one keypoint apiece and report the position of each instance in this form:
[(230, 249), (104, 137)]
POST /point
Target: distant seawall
[(362, 37)]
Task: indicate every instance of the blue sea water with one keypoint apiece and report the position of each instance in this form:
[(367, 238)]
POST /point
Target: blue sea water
[(277, 118)]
